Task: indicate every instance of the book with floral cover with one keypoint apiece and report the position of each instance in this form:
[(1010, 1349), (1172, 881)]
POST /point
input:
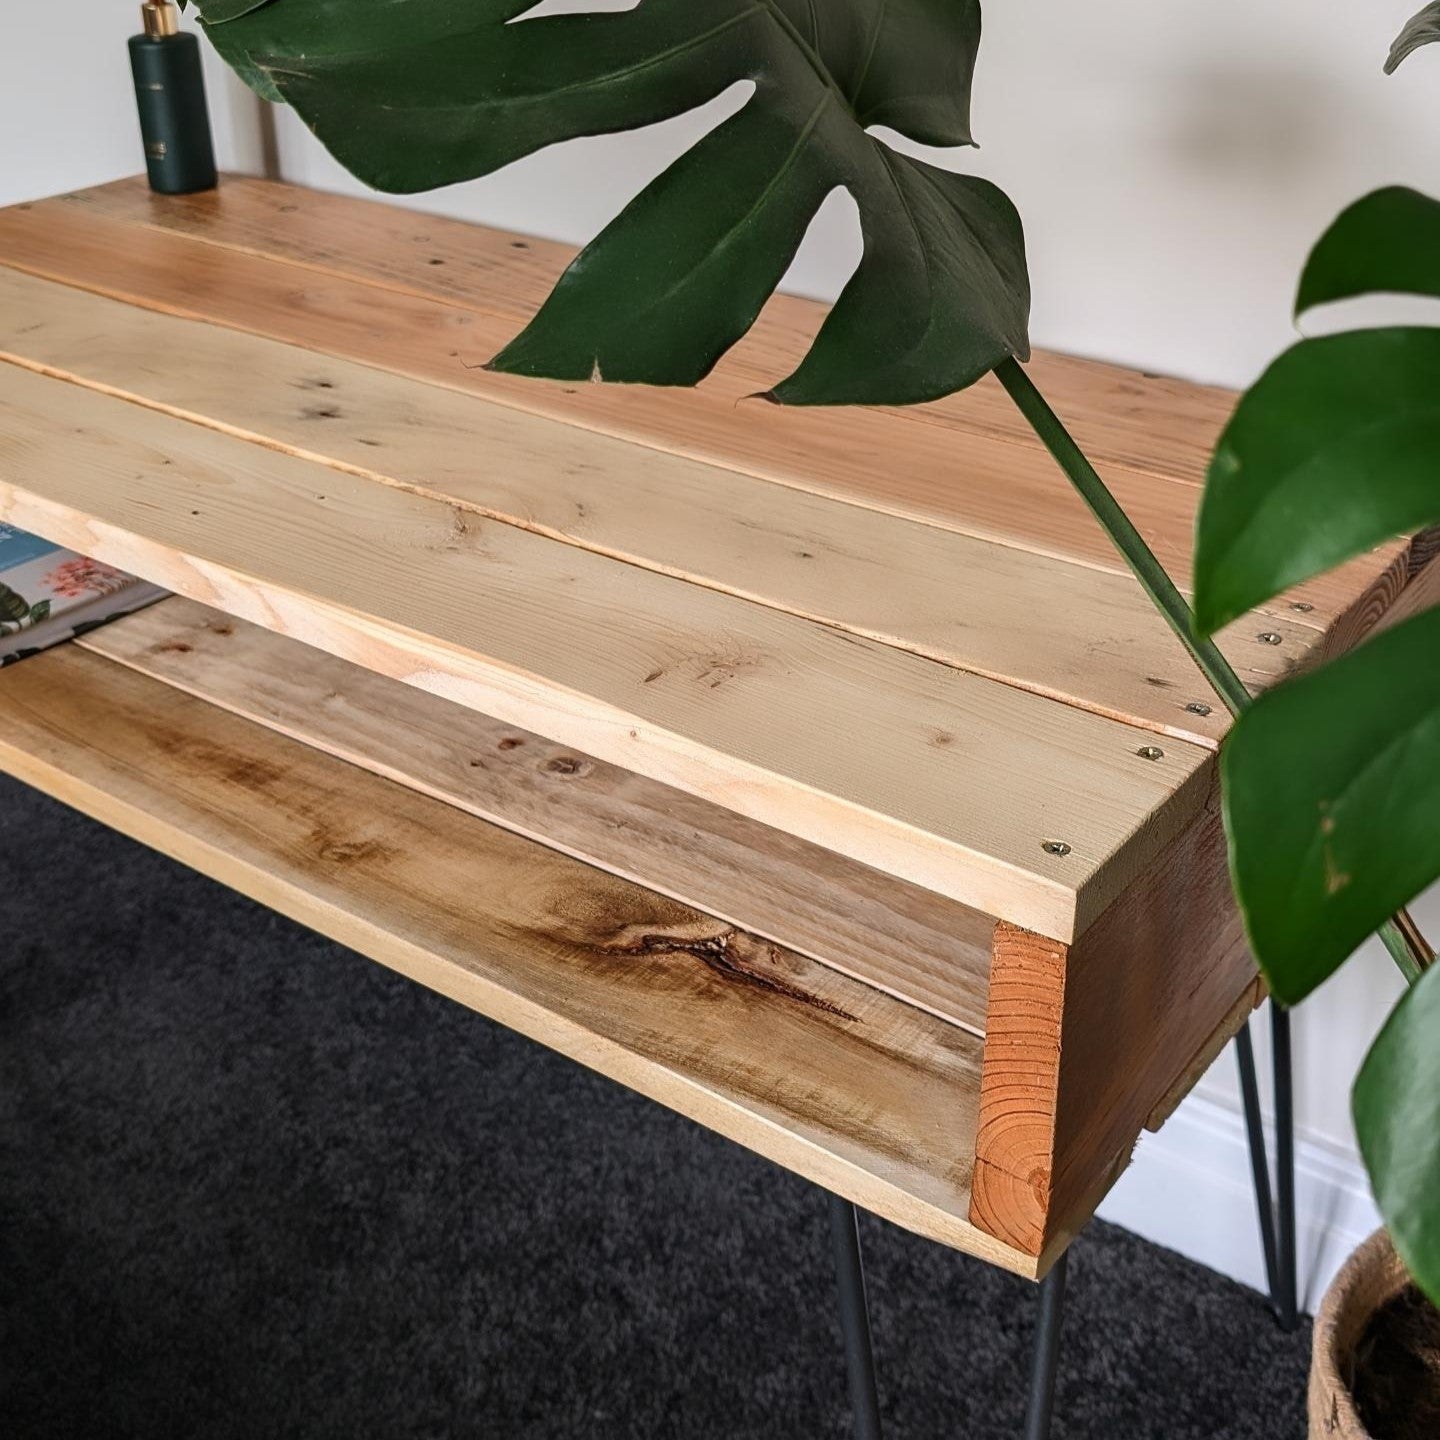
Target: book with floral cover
[(49, 594)]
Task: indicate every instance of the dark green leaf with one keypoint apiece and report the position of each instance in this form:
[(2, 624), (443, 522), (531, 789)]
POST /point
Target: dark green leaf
[(1331, 791), (410, 94), (13, 605), (1334, 449), (1387, 242), (1397, 1117), (216, 12), (1421, 29)]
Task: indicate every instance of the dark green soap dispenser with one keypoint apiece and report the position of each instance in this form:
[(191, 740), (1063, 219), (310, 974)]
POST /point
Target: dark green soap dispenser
[(170, 91)]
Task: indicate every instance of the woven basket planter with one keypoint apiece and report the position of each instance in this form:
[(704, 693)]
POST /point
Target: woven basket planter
[(1372, 1276)]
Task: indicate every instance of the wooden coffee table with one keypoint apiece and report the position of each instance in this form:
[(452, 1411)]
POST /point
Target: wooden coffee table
[(819, 774)]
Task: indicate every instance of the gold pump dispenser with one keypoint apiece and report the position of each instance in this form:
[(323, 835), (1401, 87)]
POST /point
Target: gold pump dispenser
[(161, 19)]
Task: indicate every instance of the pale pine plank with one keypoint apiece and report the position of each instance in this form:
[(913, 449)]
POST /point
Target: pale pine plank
[(978, 484), (945, 779), (908, 941), (1145, 422), (873, 1099), (1058, 629)]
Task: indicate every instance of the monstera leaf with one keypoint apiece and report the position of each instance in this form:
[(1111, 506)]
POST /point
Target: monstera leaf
[(1335, 447), (1332, 781), (411, 94), (1421, 29), (1396, 1104), (1388, 241), (1332, 788)]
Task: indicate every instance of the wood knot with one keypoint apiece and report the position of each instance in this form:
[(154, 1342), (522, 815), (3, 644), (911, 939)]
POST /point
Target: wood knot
[(339, 850), (567, 765), (733, 955)]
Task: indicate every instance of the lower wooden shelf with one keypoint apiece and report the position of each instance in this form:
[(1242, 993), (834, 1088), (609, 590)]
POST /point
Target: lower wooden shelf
[(830, 1077)]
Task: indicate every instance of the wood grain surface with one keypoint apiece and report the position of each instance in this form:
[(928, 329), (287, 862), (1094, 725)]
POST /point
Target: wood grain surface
[(875, 1099), (977, 480), (1148, 422), (945, 779), (908, 941), (1086, 1045), (1059, 629)]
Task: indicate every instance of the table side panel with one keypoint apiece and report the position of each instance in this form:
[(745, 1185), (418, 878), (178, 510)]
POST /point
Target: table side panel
[(1085, 1041)]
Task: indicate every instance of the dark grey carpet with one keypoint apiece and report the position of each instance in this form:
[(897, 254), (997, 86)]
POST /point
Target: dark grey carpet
[(253, 1185)]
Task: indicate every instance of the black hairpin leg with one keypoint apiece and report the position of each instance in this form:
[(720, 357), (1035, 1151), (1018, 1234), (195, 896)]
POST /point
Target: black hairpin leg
[(1277, 1221), (1285, 1296), (1047, 1353), (855, 1319)]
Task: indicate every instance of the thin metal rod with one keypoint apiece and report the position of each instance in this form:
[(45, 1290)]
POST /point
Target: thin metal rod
[(1286, 1306), (855, 1319), (1041, 1408), (1259, 1162)]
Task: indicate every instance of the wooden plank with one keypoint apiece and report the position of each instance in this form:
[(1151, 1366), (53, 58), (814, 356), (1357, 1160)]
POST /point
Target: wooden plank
[(1120, 416), (1086, 1043), (978, 484), (1410, 584), (944, 779), (908, 941), (828, 1077), (1058, 629)]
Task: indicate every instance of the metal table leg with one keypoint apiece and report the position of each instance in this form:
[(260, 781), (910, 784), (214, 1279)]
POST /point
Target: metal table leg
[(1259, 1162), (1277, 1221), (1047, 1352), (855, 1319), (1285, 1298)]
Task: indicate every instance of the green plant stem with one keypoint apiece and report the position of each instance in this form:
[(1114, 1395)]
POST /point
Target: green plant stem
[(1412, 959), (1405, 962), (1128, 540)]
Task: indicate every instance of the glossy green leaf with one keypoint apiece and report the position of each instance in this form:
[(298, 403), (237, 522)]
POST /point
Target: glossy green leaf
[(411, 94), (1397, 1118), (216, 12), (1332, 791), (1389, 241), (1334, 449), (1421, 29)]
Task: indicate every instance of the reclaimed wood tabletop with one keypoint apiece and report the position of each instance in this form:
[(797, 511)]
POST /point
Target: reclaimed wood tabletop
[(821, 774)]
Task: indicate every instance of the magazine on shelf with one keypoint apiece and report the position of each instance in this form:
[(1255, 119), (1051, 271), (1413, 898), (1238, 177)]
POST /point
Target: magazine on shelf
[(49, 594)]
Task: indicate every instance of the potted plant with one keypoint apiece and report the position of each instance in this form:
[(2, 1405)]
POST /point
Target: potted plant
[(1332, 781)]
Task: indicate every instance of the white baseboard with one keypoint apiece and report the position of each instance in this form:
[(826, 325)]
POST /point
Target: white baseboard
[(1189, 1188)]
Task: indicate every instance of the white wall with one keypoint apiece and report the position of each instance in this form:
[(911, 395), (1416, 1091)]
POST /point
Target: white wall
[(1173, 162)]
